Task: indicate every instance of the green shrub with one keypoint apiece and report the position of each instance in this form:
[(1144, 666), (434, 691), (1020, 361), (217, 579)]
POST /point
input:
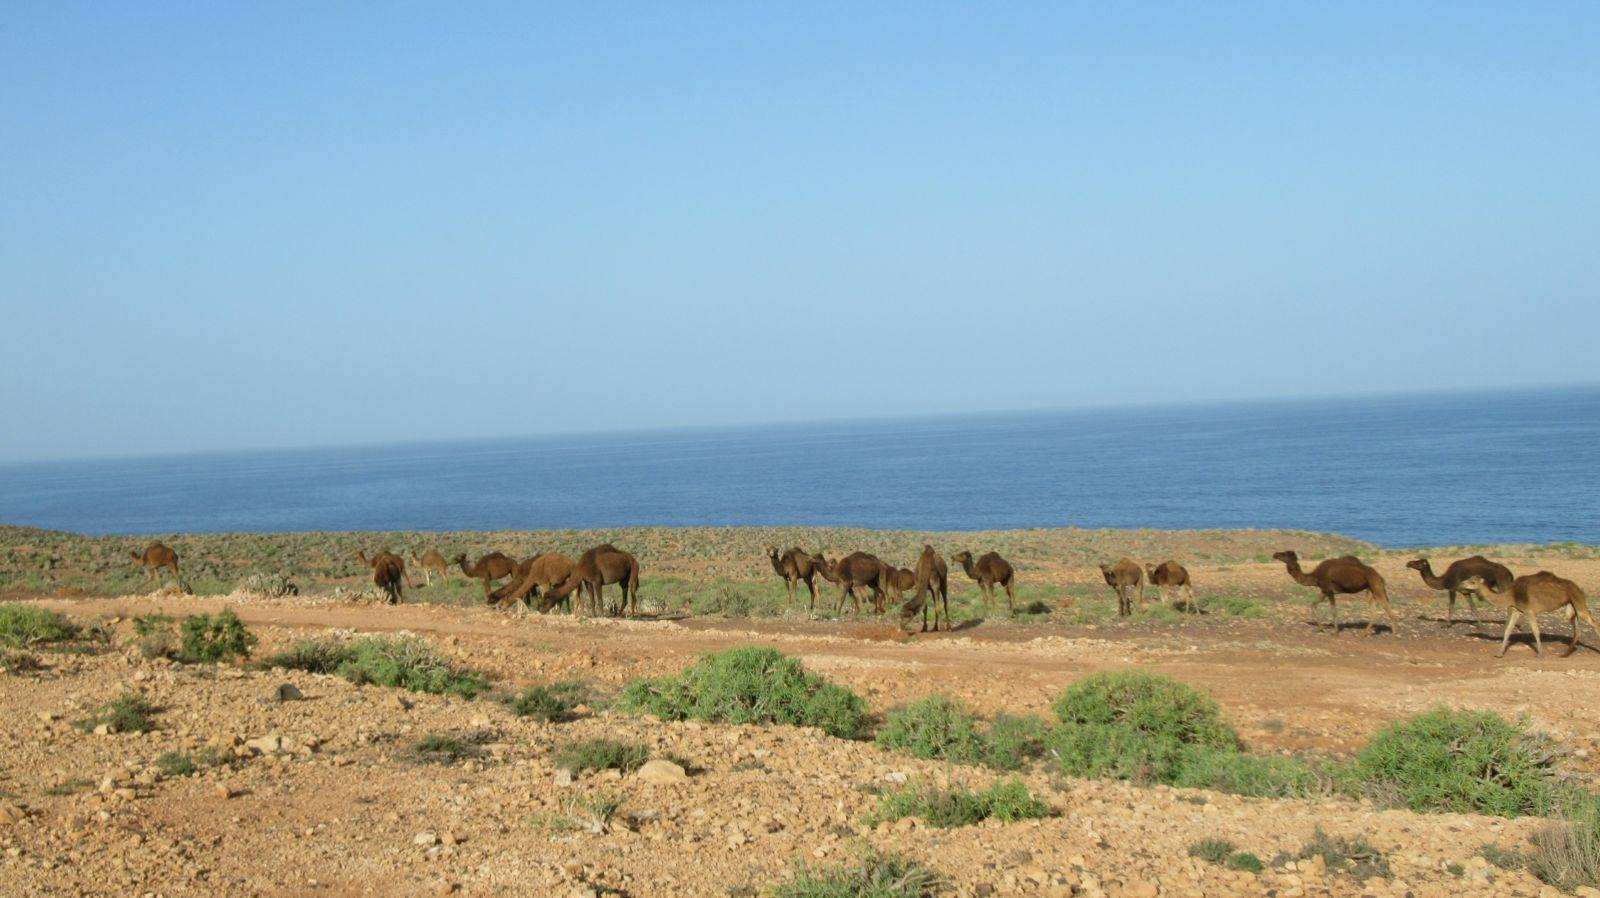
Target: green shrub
[(1463, 761), (550, 703), (440, 748), (1261, 776), (749, 685), (175, 764), (322, 656), (1134, 726), (1213, 851), (1007, 801), (208, 640), (155, 636), (933, 727), (1353, 856), (871, 875), (24, 625), (129, 712), (1244, 860), (1504, 858), (1013, 741), (1233, 606), (600, 754), (19, 662), (404, 661)]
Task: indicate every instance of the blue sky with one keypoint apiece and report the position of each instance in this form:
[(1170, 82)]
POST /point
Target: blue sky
[(257, 225)]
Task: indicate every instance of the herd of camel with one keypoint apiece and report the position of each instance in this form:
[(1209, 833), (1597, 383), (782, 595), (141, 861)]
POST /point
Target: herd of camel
[(551, 579)]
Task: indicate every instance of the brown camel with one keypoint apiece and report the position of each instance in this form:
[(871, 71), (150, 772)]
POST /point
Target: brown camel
[(1170, 575), (490, 567), (1532, 595), (539, 572), (432, 562), (155, 557), (858, 569), (990, 569), (932, 582), (1497, 577), (1345, 575), (594, 570), (1126, 578), (388, 573), (795, 566)]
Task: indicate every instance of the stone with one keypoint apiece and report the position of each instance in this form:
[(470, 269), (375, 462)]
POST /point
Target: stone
[(266, 745), (662, 773), (287, 692), (11, 813), (425, 839), (222, 791)]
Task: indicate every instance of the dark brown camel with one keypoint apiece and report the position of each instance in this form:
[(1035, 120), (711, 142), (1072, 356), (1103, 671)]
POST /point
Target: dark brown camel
[(539, 572), (1491, 574), (858, 569), (932, 583), (432, 562), (1126, 578), (795, 566), (155, 557), (388, 573), (489, 568), (1346, 575), (989, 570), (1535, 594), (1170, 575), (594, 570)]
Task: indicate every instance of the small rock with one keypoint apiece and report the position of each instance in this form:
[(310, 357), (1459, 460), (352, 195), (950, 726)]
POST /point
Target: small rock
[(103, 729), (563, 778), (222, 791), (287, 692), (402, 703), (896, 776), (425, 840), (664, 773), (10, 813), (266, 745)]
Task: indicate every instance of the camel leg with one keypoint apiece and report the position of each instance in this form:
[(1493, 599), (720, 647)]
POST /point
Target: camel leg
[(1533, 622), (1450, 609), (1140, 590), (1189, 592), (1334, 604), (1572, 618), (1511, 623), (812, 586), (1011, 597)]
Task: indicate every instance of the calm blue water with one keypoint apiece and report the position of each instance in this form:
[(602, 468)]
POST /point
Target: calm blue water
[(1496, 467)]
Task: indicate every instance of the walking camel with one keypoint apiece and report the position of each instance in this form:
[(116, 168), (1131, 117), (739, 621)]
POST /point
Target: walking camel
[(795, 566), (1125, 577), (155, 557), (388, 573), (539, 572), (489, 568), (593, 571), (432, 562), (858, 569), (1346, 575), (1170, 575), (1532, 595), (989, 570), (1494, 576), (932, 582)]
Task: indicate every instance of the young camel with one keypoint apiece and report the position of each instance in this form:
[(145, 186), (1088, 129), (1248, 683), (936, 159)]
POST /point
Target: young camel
[(594, 570), (432, 562), (388, 573), (541, 571), (1345, 575), (1170, 575), (1535, 594), (932, 582), (795, 566), (1126, 578), (990, 569), (1491, 574), (155, 557), (856, 569), (491, 567)]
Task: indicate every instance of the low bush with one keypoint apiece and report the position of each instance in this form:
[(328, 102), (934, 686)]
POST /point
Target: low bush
[(550, 703), (1007, 801), (22, 626), (1261, 776), (1354, 857), (1221, 852), (749, 685), (1013, 741), (322, 656), (175, 764), (600, 754), (212, 640), (871, 875), (1462, 761), (1566, 854), (441, 748), (404, 661), (933, 727), (129, 712), (155, 635), (273, 586), (19, 662), (1135, 726)]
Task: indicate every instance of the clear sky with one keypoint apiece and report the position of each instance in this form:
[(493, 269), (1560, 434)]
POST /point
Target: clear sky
[(257, 225)]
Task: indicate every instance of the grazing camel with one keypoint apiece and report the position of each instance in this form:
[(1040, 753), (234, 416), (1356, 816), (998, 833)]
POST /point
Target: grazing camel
[(541, 571), (1497, 577), (1344, 575), (988, 570), (932, 579), (491, 567), (432, 562), (795, 566), (388, 573), (1532, 595), (853, 570), (594, 570), (1170, 575), (1125, 577), (155, 557)]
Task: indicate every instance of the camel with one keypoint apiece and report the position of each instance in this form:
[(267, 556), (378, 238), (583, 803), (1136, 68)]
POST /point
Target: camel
[(155, 557), (1496, 576), (540, 571), (1125, 577), (1343, 575), (490, 567), (932, 579), (594, 570), (853, 570), (432, 562), (990, 569), (1170, 575), (795, 566), (388, 573), (1532, 595)]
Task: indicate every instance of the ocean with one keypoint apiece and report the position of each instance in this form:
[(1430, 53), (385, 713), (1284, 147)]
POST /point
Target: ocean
[(1493, 467)]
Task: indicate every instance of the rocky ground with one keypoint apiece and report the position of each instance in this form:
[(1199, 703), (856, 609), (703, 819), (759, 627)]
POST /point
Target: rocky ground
[(319, 795)]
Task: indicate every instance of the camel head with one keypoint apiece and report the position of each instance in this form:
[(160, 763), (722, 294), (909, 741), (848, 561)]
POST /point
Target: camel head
[(137, 556), (461, 558), (1287, 556), (962, 557), (361, 556), (1418, 564), (772, 552), (1475, 584), (1150, 570)]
